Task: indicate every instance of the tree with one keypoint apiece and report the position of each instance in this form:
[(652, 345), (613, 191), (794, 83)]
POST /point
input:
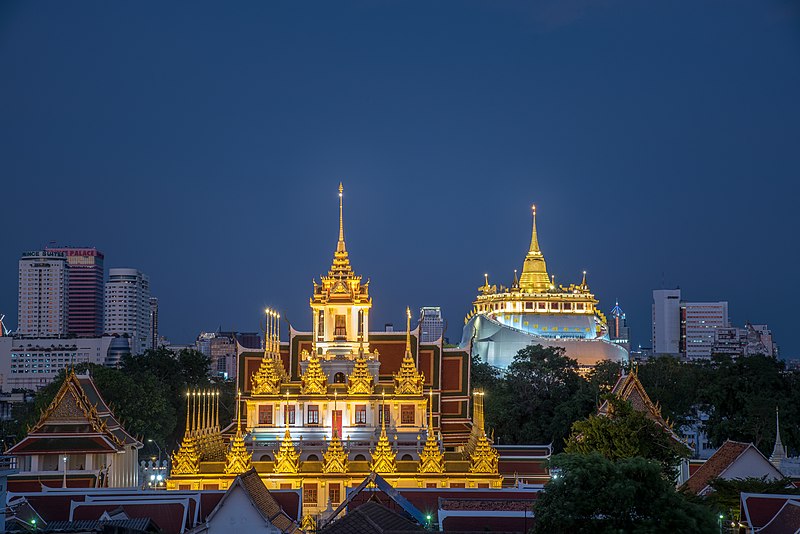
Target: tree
[(626, 433), (676, 385), (539, 397), (594, 494)]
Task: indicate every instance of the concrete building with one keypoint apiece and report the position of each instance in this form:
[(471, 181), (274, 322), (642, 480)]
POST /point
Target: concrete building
[(685, 329), (748, 341), (666, 321), (86, 277), (127, 307), (32, 363), (43, 289), (431, 324)]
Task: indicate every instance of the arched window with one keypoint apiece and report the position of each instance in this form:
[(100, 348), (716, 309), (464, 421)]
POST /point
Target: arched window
[(338, 378), (407, 457), (359, 458), (312, 458), (265, 458)]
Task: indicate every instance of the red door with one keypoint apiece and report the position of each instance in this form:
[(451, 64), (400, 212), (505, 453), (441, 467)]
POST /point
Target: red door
[(336, 422)]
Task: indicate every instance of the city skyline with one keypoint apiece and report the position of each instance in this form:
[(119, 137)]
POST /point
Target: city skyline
[(227, 154)]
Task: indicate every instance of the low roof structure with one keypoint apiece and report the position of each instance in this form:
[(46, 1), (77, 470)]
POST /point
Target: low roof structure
[(770, 514), (733, 460)]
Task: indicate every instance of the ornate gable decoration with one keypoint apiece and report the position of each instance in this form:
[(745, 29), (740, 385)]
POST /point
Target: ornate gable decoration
[(408, 381), (383, 457), (314, 379), (286, 458), (187, 460), (335, 457), (360, 380)]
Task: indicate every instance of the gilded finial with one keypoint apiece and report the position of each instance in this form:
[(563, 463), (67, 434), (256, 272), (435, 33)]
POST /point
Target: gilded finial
[(340, 246)]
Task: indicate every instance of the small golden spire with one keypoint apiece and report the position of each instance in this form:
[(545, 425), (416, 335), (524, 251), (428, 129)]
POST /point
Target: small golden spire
[(583, 282), (408, 329), (383, 457), (408, 380), (534, 248), (431, 459), (534, 269), (238, 460), (286, 458), (314, 379)]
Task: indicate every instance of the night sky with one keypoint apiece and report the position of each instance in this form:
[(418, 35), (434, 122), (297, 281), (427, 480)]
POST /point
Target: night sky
[(203, 143)]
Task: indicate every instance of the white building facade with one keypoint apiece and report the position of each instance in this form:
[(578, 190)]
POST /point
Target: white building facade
[(686, 329), (127, 307), (32, 363), (43, 286), (666, 321)]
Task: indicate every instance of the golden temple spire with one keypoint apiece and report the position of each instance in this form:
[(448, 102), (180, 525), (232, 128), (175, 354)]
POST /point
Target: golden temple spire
[(534, 269), (408, 380), (238, 460), (314, 379), (360, 381), (187, 460), (383, 457), (335, 459), (340, 245), (583, 282), (483, 456), (431, 459), (286, 458)]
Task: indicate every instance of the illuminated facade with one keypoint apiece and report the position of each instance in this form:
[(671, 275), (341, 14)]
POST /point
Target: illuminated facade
[(534, 310), (323, 410)]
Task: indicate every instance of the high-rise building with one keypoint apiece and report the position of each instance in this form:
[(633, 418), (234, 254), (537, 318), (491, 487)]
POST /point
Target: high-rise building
[(699, 321), (153, 323), (127, 307), (431, 324), (667, 321), (86, 274), (685, 328), (618, 330), (43, 289)]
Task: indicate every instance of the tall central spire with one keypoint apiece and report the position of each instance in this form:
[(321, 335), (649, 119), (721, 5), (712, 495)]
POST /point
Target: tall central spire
[(534, 270), (340, 245)]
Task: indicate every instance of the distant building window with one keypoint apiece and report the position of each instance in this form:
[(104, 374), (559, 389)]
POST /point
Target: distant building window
[(407, 414), (361, 414), (313, 414), (265, 414)]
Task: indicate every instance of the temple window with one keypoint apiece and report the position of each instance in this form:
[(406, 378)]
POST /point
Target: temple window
[(265, 458), (407, 414), (361, 414), (340, 329), (567, 306), (288, 413), (360, 323), (407, 458), (384, 414), (360, 458), (313, 414), (335, 493), (541, 305), (265, 414), (309, 494), (312, 458), (321, 326), (529, 305), (338, 378), (579, 306)]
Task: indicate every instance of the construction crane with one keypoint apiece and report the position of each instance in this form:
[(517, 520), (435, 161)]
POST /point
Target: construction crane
[(3, 330)]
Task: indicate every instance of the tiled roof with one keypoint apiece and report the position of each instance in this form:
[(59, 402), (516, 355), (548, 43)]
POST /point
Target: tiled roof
[(371, 518), (140, 524), (714, 466), (489, 505), (768, 514)]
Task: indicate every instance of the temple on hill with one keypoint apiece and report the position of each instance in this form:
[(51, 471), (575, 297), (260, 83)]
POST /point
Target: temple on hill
[(327, 407), (76, 443), (534, 310)]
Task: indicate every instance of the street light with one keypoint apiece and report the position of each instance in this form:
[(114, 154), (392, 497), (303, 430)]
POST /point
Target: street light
[(159, 450)]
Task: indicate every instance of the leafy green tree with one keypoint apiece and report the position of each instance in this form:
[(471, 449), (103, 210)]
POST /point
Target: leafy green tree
[(675, 385), (594, 494), (626, 433), (541, 394)]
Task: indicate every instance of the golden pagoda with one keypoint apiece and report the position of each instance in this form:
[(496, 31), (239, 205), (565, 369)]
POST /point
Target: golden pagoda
[(238, 459), (534, 310), (431, 459), (483, 457), (408, 380), (317, 410), (383, 457)]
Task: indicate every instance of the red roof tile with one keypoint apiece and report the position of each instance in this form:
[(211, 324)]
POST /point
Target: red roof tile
[(714, 466)]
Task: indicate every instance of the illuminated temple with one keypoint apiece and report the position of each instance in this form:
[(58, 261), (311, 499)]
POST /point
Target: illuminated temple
[(534, 310), (322, 410)]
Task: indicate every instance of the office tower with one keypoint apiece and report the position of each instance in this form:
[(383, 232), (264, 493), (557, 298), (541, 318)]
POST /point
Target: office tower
[(43, 289), (667, 321), (699, 320), (153, 323), (85, 275), (127, 307), (685, 328), (431, 324)]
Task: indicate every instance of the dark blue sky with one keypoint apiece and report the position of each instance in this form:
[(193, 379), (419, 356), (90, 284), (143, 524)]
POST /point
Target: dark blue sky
[(203, 143)]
